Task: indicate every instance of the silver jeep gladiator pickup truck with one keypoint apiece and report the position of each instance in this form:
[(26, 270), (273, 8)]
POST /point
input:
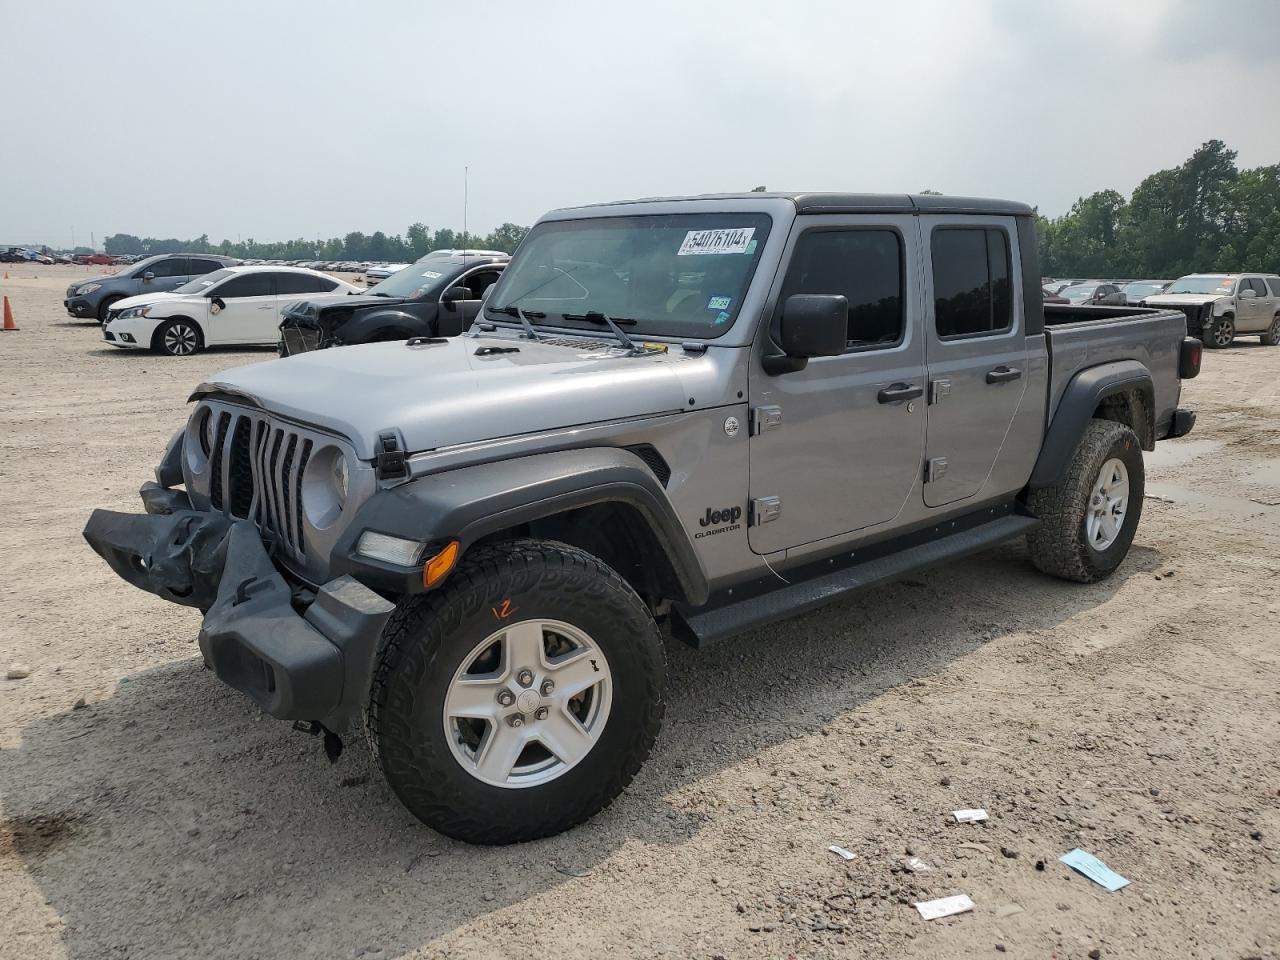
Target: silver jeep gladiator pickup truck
[(707, 412)]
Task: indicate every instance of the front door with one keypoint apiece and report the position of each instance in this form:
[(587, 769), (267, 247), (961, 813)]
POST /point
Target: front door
[(457, 317), (1253, 314), (975, 350), (248, 312), (167, 274), (836, 447)]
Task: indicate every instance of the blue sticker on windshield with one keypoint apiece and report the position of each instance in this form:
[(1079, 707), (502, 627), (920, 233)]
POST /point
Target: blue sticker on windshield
[(722, 318), (751, 248), (719, 303)]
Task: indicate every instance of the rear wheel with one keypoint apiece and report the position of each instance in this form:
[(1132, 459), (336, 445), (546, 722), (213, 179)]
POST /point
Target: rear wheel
[(178, 338), (1088, 518), (1271, 337), (1219, 333), (520, 698)]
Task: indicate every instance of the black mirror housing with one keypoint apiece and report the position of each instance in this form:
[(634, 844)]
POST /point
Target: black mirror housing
[(456, 294), (814, 325)]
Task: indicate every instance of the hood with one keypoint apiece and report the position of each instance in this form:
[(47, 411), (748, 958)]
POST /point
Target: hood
[(311, 307), (142, 299), (1182, 299), (447, 392)]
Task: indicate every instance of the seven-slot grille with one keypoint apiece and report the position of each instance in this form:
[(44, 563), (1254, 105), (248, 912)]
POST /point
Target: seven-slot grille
[(256, 471)]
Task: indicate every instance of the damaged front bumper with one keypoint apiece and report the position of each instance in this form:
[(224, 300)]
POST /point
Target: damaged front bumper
[(297, 656)]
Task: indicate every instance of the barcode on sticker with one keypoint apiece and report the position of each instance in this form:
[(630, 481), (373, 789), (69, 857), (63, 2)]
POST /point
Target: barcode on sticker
[(716, 241)]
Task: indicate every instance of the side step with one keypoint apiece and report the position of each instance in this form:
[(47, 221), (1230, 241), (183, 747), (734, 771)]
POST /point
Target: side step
[(820, 583)]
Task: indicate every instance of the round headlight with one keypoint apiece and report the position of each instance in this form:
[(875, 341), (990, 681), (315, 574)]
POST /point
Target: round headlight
[(209, 432), (341, 476)]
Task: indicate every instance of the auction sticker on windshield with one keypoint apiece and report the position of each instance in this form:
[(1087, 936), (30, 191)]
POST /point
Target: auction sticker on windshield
[(716, 241)]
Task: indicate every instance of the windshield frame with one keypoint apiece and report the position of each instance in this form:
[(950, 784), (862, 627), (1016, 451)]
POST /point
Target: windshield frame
[(761, 221)]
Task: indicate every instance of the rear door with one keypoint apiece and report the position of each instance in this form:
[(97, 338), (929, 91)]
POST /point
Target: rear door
[(248, 312), (975, 350), (836, 447)]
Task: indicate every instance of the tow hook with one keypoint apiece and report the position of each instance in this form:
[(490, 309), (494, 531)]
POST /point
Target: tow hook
[(332, 742)]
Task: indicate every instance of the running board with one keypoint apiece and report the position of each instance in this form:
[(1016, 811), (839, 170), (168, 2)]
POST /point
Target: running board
[(756, 605)]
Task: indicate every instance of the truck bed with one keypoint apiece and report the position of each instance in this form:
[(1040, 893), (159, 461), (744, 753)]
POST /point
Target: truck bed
[(1079, 337)]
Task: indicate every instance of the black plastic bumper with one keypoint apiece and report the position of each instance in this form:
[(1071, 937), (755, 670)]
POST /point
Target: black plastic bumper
[(80, 308), (1183, 421), (315, 665)]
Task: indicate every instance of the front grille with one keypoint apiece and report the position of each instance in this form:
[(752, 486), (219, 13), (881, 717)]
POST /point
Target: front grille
[(256, 474)]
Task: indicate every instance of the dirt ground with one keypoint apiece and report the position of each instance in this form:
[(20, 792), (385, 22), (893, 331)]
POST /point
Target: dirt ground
[(148, 811)]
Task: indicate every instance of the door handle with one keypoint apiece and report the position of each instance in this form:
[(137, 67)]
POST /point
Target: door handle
[(898, 392), (1003, 374), (266, 306)]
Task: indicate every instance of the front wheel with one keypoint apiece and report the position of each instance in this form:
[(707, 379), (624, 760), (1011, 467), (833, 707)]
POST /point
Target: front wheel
[(178, 338), (520, 698), (1271, 337), (1219, 333), (1089, 517)]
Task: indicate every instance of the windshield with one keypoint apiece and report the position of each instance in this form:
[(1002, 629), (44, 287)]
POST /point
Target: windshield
[(1141, 289), (202, 283), (1219, 285), (674, 275), (415, 281), (1080, 292)]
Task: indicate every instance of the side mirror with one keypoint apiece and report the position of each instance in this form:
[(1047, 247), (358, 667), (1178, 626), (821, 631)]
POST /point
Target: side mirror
[(1248, 293), (148, 277), (456, 294), (217, 304), (812, 325)]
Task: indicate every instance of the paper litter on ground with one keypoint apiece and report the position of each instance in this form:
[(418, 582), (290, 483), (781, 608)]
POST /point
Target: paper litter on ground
[(841, 852), (969, 816), (1094, 869), (946, 907)]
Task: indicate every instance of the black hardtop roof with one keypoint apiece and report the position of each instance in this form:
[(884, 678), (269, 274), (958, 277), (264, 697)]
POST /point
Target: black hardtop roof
[(814, 203)]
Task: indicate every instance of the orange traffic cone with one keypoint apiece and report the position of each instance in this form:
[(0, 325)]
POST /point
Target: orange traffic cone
[(8, 316)]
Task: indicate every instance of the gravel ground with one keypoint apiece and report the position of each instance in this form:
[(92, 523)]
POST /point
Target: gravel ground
[(147, 811)]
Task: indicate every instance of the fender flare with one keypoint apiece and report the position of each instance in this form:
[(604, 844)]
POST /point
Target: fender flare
[(1084, 393), (362, 326), (471, 503)]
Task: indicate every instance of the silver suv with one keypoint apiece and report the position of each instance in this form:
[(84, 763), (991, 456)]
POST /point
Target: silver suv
[(1223, 306), (92, 298)]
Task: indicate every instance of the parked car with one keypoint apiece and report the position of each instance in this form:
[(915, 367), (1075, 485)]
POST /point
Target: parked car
[(1050, 297), (231, 306), (436, 297), (1135, 291), (382, 271), (467, 544), (1100, 294), (1222, 306), (93, 298), (94, 259)]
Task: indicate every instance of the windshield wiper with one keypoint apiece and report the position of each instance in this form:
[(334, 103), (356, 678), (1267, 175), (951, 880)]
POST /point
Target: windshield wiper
[(595, 316), (523, 316)]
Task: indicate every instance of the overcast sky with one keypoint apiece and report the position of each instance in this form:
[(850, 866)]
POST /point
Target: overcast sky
[(275, 120)]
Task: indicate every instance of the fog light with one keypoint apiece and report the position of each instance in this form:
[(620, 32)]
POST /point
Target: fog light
[(127, 338), (389, 549)]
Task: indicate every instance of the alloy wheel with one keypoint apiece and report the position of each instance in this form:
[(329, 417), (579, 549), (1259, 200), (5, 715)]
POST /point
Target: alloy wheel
[(1107, 505)]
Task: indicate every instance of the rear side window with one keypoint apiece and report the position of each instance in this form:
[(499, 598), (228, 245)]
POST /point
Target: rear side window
[(863, 266), (1274, 284), (291, 283), (169, 267), (246, 285), (972, 294), (200, 267)]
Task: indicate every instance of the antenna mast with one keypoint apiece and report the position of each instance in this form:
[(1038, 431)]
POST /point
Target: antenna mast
[(466, 175)]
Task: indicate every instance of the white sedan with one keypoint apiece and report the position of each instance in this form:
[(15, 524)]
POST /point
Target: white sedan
[(233, 306)]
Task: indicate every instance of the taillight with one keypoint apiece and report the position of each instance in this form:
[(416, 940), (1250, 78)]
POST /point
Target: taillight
[(1189, 358)]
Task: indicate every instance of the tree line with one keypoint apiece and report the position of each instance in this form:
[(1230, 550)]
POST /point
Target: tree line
[(1206, 215), (417, 241)]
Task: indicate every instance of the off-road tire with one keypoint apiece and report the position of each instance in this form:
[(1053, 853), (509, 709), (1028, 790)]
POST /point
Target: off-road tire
[(1271, 336), (105, 306), (1218, 333), (163, 341), (427, 637), (1059, 546)]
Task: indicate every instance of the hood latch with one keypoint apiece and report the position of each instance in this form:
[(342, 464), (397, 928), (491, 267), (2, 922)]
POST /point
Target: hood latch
[(389, 462)]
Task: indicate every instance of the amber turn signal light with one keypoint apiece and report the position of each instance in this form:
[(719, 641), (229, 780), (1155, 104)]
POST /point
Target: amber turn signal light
[(438, 567)]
